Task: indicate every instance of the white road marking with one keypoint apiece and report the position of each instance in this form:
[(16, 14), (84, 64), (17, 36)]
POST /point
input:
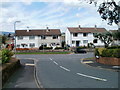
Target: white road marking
[(91, 77), (28, 64), (51, 59), (65, 68), (55, 62)]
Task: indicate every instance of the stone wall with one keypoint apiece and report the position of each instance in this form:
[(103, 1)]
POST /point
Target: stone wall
[(8, 69), (109, 60)]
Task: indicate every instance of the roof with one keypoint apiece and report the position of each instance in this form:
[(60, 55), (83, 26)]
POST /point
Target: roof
[(38, 32), (86, 30)]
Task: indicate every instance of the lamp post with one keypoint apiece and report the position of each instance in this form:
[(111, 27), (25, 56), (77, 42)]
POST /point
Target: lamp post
[(15, 36)]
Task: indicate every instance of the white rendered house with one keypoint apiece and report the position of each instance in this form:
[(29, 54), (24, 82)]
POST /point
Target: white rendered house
[(36, 38), (78, 36)]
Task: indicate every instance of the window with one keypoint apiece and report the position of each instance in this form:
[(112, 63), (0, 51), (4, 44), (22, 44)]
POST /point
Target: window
[(73, 42), (85, 34), (43, 37), (31, 37), (20, 37), (55, 37), (75, 34), (18, 45), (95, 41), (32, 44), (85, 41), (24, 45)]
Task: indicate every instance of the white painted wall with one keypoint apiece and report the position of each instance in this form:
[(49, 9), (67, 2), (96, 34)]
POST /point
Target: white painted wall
[(38, 41), (80, 37)]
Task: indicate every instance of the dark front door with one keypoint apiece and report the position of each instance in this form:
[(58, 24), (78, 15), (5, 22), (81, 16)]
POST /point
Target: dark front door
[(77, 43)]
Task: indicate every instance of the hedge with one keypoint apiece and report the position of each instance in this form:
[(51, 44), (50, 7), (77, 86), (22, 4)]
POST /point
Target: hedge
[(59, 48), (6, 55), (104, 52), (113, 47)]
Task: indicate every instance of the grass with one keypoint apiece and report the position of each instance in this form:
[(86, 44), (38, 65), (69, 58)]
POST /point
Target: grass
[(43, 53)]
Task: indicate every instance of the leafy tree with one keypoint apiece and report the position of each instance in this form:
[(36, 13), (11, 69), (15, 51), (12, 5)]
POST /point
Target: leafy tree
[(106, 38), (116, 35), (4, 39), (109, 11)]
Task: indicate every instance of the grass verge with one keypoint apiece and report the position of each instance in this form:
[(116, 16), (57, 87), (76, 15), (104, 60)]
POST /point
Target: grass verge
[(43, 53)]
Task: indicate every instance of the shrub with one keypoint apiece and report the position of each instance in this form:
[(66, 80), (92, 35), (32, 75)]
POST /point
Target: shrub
[(47, 48), (96, 52), (100, 50), (6, 55), (59, 48), (113, 47), (116, 53), (107, 53)]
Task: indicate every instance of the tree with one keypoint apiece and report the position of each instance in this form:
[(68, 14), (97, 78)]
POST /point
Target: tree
[(116, 35), (106, 38), (109, 11), (4, 39)]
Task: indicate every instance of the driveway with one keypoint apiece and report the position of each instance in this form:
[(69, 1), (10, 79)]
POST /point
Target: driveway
[(67, 71)]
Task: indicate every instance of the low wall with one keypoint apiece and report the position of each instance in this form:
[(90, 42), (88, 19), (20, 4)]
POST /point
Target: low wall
[(8, 69), (109, 60)]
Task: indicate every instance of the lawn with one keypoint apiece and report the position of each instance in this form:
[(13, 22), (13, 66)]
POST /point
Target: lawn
[(43, 53)]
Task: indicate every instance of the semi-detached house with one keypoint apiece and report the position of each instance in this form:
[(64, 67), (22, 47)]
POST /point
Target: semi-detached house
[(36, 38), (81, 36)]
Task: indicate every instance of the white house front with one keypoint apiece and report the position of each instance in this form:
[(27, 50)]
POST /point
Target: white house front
[(37, 38), (78, 36)]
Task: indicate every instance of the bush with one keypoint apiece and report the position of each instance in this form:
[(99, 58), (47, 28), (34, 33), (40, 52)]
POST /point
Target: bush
[(22, 48), (100, 50), (116, 53), (6, 55), (82, 47), (47, 48), (107, 53), (113, 47), (59, 48), (96, 52)]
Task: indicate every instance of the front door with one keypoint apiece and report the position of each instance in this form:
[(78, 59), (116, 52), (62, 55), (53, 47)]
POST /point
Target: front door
[(77, 43)]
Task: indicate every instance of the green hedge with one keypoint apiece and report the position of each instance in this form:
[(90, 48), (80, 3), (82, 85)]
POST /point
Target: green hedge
[(107, 52), (114, 47), (59, 48), (6, 55)]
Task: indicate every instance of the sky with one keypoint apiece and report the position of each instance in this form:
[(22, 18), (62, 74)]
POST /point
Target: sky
[(55, 14)]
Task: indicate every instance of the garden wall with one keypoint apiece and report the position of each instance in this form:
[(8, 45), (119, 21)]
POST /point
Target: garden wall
[(9, 68), (109, 60)]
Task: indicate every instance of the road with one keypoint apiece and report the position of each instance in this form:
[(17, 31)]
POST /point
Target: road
[(67, 71)]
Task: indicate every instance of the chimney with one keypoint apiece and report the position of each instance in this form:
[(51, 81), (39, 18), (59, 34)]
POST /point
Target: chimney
[(95, 26), (48, 29), (27, 29), (79, 26)]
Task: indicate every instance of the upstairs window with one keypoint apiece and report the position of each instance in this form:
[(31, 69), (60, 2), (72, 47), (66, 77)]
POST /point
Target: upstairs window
[(85, 34), (55, 37), (20, 37), (75, 34), (31, 37), (43, 37)]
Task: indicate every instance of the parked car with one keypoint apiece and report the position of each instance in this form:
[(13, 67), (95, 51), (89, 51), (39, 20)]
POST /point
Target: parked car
[(79, 50)]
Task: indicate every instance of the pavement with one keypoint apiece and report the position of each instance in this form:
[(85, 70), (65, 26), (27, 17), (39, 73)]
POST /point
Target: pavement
[(95, 64), (23, 77)]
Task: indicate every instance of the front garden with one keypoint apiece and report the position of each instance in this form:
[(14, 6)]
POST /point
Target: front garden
[(109, 55)]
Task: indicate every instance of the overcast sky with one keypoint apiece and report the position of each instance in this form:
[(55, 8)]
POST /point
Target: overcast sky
[(60, 14)]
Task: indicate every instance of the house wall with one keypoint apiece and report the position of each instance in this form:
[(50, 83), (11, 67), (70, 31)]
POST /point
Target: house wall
[(68, 38), (71, 40), (49, 40), (38, 41)]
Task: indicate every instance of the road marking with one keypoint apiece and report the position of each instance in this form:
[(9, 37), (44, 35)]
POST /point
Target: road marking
[(51, 59), (28, 64), (65, 68), (55, 62), (91, 77)]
